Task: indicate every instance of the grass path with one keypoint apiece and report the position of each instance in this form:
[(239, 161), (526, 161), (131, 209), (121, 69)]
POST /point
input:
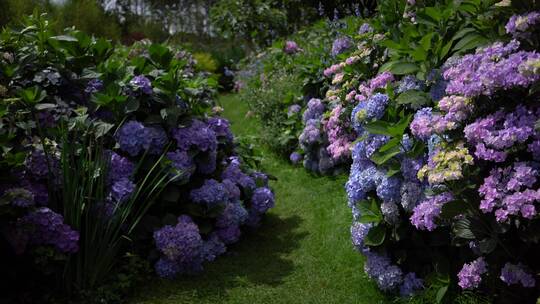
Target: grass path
[(301, 254)]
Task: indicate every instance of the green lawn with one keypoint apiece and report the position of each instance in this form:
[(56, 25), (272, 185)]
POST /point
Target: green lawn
[(301, 254)]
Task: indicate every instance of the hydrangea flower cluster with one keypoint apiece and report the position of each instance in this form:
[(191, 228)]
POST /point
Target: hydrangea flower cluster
[(490, 69), (510, 191), (134, 138), (197, 135), (291, 47), (293, 109), (94, 86), (518, 25), (445, 163), (425, 214), (368, 110), (339, 138), (516, 274), (44, 227), (470, 276), (340, 45), (212, 193), (142, 83), (365, 90), (494, 134)]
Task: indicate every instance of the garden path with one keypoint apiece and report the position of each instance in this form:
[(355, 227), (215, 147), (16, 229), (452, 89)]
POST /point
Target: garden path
[(301, 254)]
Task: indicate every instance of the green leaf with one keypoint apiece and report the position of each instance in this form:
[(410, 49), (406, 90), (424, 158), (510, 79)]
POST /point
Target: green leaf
[(403, 68), (425, 42), (370, 212), (487, 245), (43, 106), (378, 127), (470, 41), (64, 38), (416, 99), (453, 209), (132, 105), (102, 128), (441, 293), (382, 157), (375, 236)]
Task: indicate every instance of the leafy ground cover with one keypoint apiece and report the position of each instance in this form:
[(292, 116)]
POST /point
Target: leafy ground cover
[(301, 253)]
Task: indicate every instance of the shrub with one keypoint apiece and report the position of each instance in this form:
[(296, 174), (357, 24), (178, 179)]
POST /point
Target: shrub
[(112, 152)]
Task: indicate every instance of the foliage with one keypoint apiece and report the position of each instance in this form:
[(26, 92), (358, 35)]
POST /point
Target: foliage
[(102, 147)]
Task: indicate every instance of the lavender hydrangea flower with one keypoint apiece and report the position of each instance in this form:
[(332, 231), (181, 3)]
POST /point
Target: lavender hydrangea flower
[(166, 268), (233, 214), (411, 284), (142, 83), (94, 86), (293, 109), (518, 25), (311, 134), (379, 268), (122, 189), (262, 200), (48, 228), (359, 232), (221, 127), (507, 192), (234, 173), (132, 137), (341, 45), (421, 124), (409, 83), (291, 47), (388, 189), (470, 276), (425, 214), (314, 110), (210, 194), (119, 167), (20, 197), (212, 248), (182, 163), (489, 69), (515, 274), (157, 139), (229, 235), (197, 134), (181, 243), (365, 28), (295, 158)]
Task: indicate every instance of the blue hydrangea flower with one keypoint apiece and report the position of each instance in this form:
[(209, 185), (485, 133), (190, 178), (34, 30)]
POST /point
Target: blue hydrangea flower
[(181, 163), (262, 200), (94, 86), (210, 194), (157, 139), (122, 189), (411, 284), (181, 243), (379, 268), (119, 167), (48, 228), (132, 137), (198, 135), (229, 235), (341, 45), (221, 127), (409, 83), (142, 83), (166, 268), (212, 248), (233, 214)]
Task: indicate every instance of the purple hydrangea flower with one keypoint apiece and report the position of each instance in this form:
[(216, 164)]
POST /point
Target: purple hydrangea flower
[(142, 83), (182, 163), (425, 214), (229, 235), (409, 83), (421, 124), (315, 109), (379, 268), (119, 167), (490, 69), (234, 173), (48, 228), (293, 109), (166, 268), (341, 45), (210, 194), (181, 243), (470, 276), (122, 189), (359, 232), (295, 158), (365, 28), (132, 137), (233, 214), (232, 190), (518, 25), (20, 197), (213, 247), (157, 139), (411, 284), (94, 86), (221, 127), (515, 274), (291, 47), (262, 200), (198, 134)]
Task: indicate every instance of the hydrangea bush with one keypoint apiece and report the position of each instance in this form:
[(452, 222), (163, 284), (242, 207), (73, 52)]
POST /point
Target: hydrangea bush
[(111, 151)]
